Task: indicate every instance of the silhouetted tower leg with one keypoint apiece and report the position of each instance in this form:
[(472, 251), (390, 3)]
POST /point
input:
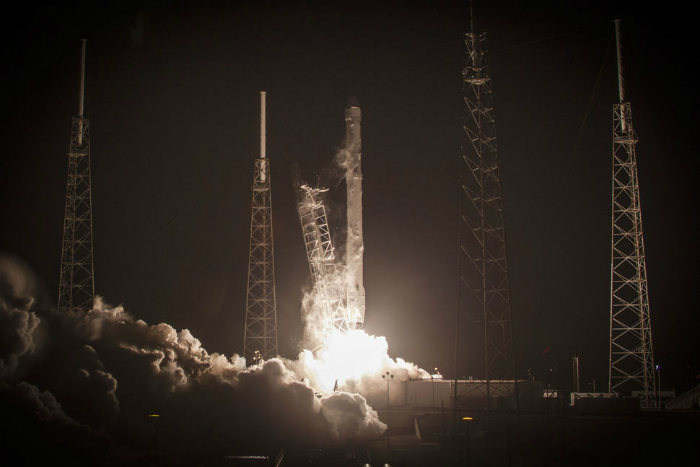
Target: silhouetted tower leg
[(484, 292), (260, 340), (76, 283), (631, 361)]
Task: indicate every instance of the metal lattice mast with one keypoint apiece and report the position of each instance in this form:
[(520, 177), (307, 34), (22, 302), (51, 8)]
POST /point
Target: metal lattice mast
[(330, 291), (485, 300), (260, 340), (631, 364), (76, 283)]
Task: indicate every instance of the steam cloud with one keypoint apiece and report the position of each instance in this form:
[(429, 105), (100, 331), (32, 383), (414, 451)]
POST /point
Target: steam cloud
[(82, 385)]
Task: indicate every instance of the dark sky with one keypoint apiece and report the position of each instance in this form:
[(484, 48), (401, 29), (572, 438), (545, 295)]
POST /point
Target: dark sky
[(172, 93)]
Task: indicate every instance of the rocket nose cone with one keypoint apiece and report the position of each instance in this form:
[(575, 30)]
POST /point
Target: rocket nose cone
[(353, 102)]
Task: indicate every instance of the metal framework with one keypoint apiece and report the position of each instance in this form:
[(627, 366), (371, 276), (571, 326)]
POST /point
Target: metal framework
[(484, 293), (260, 339), (631, 364), (76, 282), (327, 282)]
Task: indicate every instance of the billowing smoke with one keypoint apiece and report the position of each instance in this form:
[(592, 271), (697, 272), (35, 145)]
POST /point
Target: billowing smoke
[(356, 362), (88, 385)]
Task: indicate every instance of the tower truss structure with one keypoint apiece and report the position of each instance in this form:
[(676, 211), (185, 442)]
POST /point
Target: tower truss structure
[(330, 290), (260, 339), (483, 270), (631, 363), (76, 282)]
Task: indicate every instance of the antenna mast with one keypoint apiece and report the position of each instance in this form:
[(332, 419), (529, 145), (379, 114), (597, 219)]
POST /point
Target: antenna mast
[(76, 282), (631, 363), (260, 339)]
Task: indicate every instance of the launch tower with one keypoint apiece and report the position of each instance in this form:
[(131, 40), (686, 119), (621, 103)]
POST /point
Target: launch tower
[(631, 364), (340, 290), (76, 283), (484, 297), (260, 339), (320, 253)]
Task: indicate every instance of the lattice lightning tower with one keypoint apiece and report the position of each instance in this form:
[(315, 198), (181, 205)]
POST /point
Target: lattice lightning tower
[(631, 364), (484, 293), (260, 340), (76, 283)]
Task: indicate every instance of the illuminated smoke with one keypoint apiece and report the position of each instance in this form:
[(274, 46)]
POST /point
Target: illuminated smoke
[(95, 377), (355, 361)]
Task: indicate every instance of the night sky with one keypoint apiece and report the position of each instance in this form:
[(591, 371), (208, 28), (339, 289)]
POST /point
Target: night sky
[(172, 93)]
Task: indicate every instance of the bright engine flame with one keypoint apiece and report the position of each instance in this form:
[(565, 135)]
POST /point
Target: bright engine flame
[(353, 361), (348, 356)]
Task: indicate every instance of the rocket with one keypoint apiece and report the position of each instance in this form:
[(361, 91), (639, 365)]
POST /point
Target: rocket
[(354, 252)]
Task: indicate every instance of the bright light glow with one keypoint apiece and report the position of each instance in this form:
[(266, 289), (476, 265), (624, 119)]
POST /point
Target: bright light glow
[(352, 361), (348, 356)]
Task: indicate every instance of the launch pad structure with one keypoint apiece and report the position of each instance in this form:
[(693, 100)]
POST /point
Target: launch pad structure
[(484, 295), (320, 252), (260, 337), (339, 288), (76, 282), (631, 363)]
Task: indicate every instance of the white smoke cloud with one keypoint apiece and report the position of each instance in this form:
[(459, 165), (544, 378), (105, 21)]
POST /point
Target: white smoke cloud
[(355, 362), (350, 416), (98, 375)]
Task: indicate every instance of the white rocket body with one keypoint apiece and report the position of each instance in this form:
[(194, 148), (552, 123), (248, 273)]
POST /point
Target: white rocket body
[(355, 243)]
